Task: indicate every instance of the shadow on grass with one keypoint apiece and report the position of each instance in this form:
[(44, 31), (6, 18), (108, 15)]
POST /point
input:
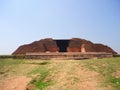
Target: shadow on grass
[(42, 63)]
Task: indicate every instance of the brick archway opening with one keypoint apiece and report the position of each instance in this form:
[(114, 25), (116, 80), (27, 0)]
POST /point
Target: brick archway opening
[(62, 45)]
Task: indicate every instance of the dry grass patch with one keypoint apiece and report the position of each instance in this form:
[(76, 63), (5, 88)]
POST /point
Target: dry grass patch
[(99, 74)]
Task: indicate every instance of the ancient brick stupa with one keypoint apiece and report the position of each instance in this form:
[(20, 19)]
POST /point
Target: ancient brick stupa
[(63, 45)]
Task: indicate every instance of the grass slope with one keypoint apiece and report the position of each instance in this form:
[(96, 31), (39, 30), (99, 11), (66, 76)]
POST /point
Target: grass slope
[(97, 74)]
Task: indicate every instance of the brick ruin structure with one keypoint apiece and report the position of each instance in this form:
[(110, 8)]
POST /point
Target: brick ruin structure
[(69, 46)]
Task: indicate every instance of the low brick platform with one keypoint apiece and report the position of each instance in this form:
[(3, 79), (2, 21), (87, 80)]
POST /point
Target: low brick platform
[(68, 55)]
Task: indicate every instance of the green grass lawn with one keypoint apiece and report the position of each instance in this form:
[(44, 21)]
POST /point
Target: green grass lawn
[(97, 74)]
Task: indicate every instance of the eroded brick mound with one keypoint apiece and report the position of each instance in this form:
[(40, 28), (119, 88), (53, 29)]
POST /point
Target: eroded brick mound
[(82, 45), (88, 48), (75, 45), (50, 45), (103, 48), (43, 45)]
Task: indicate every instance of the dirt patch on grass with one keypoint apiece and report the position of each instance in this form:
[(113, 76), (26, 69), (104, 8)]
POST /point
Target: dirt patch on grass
[(16, 83), (72, 76), (117, 73)]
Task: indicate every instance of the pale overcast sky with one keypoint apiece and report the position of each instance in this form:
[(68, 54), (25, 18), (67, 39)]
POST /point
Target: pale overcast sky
[(25, 21)]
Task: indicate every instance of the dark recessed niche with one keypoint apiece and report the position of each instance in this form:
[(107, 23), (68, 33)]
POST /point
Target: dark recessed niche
[(62, 44)]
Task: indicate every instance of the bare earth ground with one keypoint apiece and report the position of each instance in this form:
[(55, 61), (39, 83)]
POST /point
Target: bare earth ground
[(16, 83)]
